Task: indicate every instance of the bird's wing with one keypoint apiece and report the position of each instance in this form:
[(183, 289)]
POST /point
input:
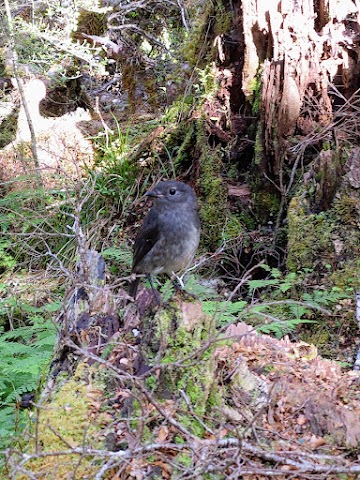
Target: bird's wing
[(146, 238)]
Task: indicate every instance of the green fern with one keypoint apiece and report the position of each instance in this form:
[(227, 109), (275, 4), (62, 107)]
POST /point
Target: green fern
[(275, 314), (121, 255), (167, 290), (25, 355), (203, 292), (281, 328), (224, 312), (6, 260)]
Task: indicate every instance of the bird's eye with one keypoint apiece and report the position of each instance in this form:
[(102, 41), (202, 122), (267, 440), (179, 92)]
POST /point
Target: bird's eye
[(172, 191)]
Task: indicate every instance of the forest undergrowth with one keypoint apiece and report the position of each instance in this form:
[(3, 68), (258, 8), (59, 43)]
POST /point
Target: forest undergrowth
[(240, 380)]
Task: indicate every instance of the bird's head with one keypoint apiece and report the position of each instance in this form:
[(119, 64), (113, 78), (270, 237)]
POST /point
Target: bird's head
[(173, 192)]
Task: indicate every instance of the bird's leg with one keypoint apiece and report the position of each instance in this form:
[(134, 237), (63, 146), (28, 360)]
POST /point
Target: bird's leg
[(134, 287), (155, 293)]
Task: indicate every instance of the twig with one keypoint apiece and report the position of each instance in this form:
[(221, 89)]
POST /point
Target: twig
[(357, 361)]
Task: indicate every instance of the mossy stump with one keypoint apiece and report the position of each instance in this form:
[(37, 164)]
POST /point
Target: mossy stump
[(174, 341)]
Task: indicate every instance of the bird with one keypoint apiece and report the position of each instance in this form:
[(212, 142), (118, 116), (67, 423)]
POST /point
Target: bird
[(170, 234)]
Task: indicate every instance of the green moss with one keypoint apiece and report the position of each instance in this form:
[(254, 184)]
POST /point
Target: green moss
[(208, 85), (309, 236), (192, 424), (213, 207), (223, 20), (255, 87), (259, 148), (67, 417), (91, 23), (328, 171), (184, 459), (331, 237), (248, 220), (197, 42), (268, 369), (178, 109), (266, 205), (179, 340), (151, 383), (318, 337), (233, 227), (8, 129), (3, 67), (347, 209), (184, 151), (210, 19), (327, 244), (347, 277)]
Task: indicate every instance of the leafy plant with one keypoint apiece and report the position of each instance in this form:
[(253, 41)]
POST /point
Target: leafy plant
[(167, 291), (118, 258), (25, 355), (38, 225), (228, 312), (7, 262), (118, 178), (201, 290), (206, 88), (44, 47), (274, 314)]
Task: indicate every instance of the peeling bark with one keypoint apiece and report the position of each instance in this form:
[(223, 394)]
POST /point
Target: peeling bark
[(302, 47)]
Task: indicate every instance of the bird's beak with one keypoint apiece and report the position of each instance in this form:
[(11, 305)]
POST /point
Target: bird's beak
[(154, 193)]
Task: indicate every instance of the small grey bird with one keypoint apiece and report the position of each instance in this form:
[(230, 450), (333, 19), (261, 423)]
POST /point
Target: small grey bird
[(169, 237)]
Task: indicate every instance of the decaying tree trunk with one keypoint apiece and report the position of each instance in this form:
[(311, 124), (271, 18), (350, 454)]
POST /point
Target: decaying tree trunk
[(303, 57), (90, 317), (301, 48)]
